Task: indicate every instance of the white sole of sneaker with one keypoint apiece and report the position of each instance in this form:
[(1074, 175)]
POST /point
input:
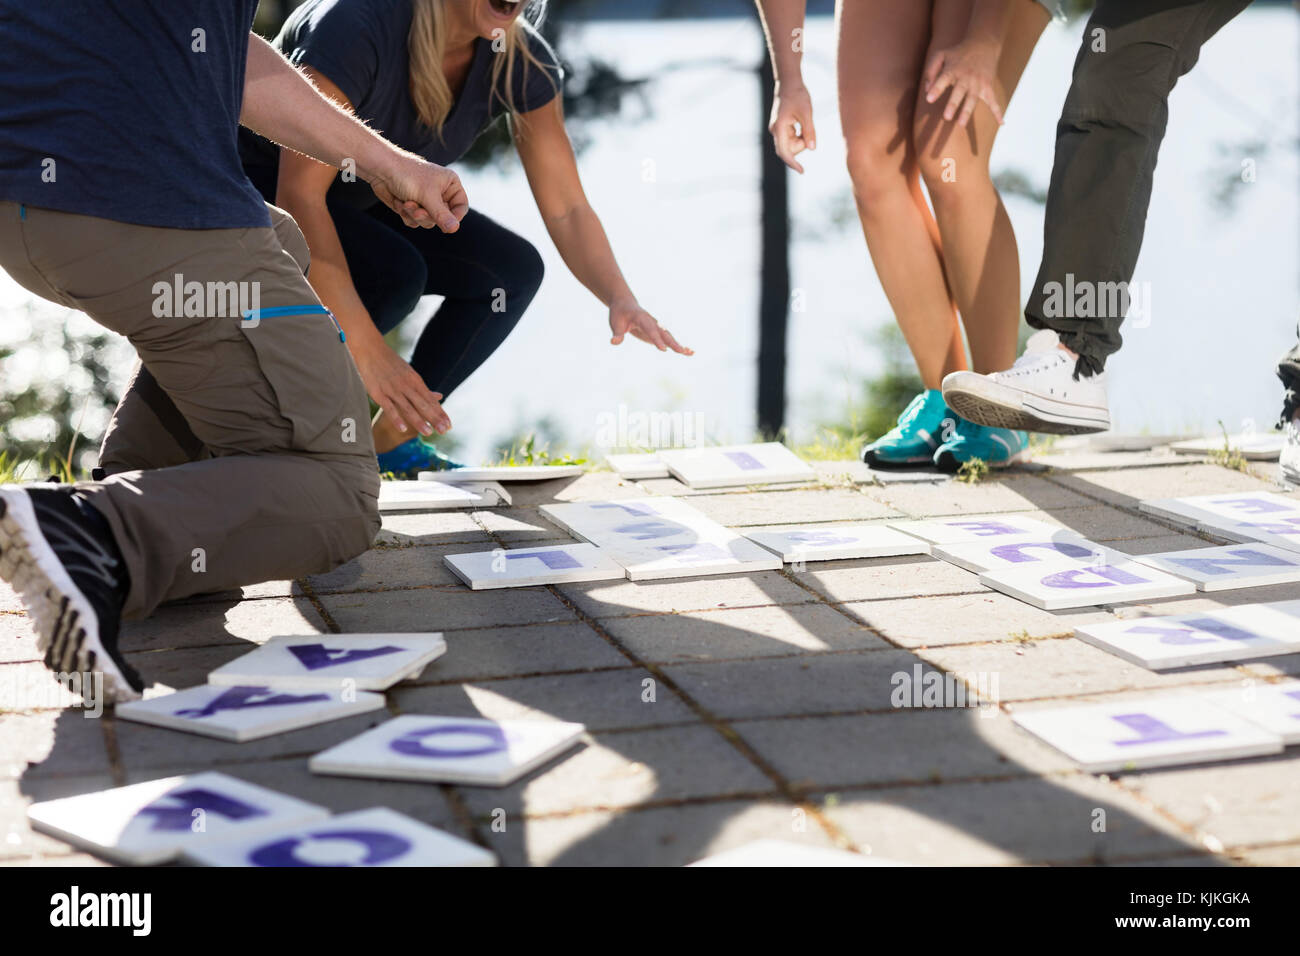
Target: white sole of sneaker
[(67, 628), (989, 403)]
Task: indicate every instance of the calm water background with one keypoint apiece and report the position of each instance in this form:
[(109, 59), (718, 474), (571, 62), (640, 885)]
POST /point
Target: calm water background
[(674, 179)]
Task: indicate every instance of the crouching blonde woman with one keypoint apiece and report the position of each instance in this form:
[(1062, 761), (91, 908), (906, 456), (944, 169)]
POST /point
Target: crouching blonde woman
[(432, 75)]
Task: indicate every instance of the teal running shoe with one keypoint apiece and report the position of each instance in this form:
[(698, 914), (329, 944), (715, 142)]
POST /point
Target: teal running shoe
[(919, 432), (411, 457), (998, 447)]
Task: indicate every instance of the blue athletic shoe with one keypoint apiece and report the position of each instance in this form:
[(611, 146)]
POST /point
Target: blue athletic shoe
[(998, 447), (411, 457), (919, 432)]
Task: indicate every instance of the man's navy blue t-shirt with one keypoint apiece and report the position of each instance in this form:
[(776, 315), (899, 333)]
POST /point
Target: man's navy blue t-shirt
[(127, 110), (361, 46)]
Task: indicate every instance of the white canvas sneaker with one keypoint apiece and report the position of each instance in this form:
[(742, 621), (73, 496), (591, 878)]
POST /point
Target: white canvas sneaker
[(1037, 394), (1290, 457)]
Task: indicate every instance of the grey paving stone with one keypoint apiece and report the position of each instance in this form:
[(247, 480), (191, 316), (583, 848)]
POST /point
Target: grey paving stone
[(1035, 820), (876, 579), (158, 751), (603, 599), (1287, 665), (18, 841), (518, 524), (387, 568), (911, 745), (893, 476), (425, 802), (670, 488), (850, 471), (601, 700), (1080, 460), (966, 619), (17, 638), (1208, 601), (1020, 493), (1129, 486), (52, 743), (776, 687), (409, 529), (742, 632), (442, 609), (790, 507), (514, 651), (1100, 522), (1066, 667), (178, 669), (1241, 802), (1157, 545), (627, 770), (660, 836), (201, 624)]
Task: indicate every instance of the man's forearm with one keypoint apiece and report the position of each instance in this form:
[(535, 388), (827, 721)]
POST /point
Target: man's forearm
[(781, 18), (283, 105)]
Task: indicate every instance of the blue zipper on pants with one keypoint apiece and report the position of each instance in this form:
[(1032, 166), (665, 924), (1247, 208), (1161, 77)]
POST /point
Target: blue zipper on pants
[(282, 310)]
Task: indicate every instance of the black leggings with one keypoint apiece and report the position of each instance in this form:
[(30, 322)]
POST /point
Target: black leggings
[(487, 274)]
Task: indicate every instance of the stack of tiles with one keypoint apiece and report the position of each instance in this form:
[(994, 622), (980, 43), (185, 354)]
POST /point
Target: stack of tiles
[(836, 542), (528, 567), (1204, 637), (163, 820), (217, 820), (290, 683), (439, 495), (637, 467), (735, 466), (661, 538), (1257, 516)]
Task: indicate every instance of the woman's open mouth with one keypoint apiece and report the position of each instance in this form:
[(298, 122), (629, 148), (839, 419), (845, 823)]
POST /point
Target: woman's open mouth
[(505, 9)]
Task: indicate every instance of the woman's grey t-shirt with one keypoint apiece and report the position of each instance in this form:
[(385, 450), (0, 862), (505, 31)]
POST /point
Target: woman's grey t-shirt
[(361, 46)]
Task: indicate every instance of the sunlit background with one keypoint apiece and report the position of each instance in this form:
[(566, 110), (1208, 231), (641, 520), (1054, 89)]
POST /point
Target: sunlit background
[(666, 110)]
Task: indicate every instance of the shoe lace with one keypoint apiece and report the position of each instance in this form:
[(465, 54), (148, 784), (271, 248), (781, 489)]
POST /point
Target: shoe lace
[(912, 412)]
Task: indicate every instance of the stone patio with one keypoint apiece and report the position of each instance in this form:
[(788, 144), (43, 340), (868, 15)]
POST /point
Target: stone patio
[(723, 709)]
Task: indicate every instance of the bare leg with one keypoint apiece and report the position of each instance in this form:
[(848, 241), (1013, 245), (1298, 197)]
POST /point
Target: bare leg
[(882, 48), (979, 246)]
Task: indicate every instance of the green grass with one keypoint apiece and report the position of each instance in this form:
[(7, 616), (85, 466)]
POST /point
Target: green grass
[(1227, 456), (973, 472), (528, 452), (13, 471)]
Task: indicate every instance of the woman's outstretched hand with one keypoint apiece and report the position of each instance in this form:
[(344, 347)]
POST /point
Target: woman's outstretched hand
[(399, 391), (792, 124), (626, 317), (970, 70)]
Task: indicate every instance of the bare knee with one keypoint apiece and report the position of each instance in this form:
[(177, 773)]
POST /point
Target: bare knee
[(953, 173), (880, 171)]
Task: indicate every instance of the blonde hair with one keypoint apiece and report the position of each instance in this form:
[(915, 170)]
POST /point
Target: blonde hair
[(427, 45)]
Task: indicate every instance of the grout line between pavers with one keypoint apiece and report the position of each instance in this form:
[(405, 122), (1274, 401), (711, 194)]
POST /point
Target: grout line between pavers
[(837, 836), (327, 618)]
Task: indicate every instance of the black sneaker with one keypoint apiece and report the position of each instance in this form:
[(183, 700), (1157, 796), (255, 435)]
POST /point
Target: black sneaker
[(59, 554)]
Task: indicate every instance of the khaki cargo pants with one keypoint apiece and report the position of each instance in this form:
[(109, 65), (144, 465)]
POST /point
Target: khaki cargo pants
[(241, 451)]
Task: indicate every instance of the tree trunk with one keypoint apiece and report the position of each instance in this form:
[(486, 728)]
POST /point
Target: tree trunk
[(774, 275)]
